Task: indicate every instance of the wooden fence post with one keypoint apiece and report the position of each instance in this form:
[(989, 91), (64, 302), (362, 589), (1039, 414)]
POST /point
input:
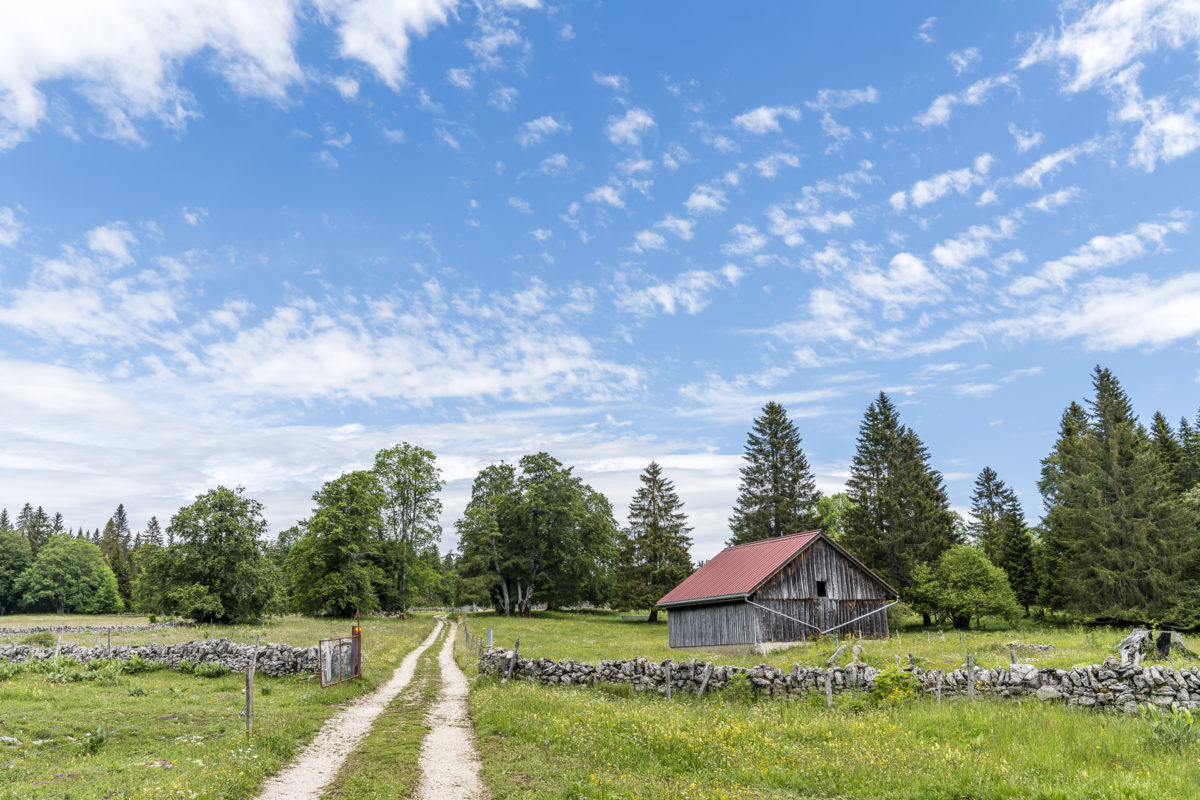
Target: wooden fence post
[(704, 681), (109, 653), (250, 687), (828, 688), (1012, 655), (669, 679), (970, 676), (939, 686)]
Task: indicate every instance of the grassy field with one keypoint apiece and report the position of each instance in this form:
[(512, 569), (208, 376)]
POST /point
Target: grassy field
[(594, 635), (614, 743), (102, 733)]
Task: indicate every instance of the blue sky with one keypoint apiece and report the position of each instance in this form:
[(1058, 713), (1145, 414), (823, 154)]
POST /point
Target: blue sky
[(253, 242)]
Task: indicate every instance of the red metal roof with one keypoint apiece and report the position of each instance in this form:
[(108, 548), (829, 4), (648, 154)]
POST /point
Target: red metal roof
[(736, 571)]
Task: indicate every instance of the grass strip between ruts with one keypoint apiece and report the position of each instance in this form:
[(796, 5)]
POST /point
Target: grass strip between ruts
[(386, 763)]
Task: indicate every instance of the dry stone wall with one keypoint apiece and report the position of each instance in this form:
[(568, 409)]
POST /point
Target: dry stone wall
[(273, 659), (96, 629), (1109, 685)]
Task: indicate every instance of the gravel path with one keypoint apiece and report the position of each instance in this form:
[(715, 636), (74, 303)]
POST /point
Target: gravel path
[(308, 775), (449, 761)]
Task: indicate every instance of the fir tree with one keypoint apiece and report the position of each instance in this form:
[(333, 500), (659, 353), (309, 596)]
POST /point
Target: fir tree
[(56, 525), (5, 524), (1053, 552), (778, 494), (1127, 547), (121, 522), (1169, 450), (117, 555), (654, 553), (1189, 441), (34, 525), (154, 534), (988, 506), (900, 515)]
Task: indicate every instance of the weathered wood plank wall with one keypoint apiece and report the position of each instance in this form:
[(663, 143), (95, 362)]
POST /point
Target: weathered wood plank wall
[(707, 625)]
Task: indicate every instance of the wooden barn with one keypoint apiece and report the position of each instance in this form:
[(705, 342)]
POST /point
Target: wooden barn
[(786, 589)]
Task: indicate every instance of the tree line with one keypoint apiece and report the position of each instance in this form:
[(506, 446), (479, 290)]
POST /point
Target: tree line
[(1119, 539)]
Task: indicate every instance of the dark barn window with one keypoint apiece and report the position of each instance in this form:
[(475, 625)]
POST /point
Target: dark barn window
[(821, 589)]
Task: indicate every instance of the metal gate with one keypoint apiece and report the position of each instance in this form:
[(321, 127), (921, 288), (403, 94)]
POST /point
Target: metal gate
[(341, 658)]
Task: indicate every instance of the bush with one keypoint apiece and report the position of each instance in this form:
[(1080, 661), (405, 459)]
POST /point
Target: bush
[(1170, 728), (10, 669), (739, 689), (187, 667), (153, 619)]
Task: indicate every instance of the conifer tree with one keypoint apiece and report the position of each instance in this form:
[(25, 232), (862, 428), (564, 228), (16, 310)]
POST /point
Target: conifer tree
[(1128, 547), (1189, 440), (654, 553), (1169, 450), (117, 556), (778, 494), (988, 505), (1054, 537), (154, 534), (34, 525), (5, 524), (900, 515)]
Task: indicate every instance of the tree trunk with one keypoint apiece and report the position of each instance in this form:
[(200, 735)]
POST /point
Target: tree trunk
[(653, 614)]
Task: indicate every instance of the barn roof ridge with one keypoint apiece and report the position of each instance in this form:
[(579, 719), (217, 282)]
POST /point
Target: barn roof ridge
[(773, 539)]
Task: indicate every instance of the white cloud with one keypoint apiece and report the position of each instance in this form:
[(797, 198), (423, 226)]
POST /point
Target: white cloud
[(942, 108), (379, 32), (749, 241), (675, 156), (542, 234), (769, 166), (393, 135), (194, 216), (690, 292), (1049, 165), (123, 57), (460, 77), (1098, 253), (503, 98), (1025, 141), (789, 227), (609, 194), (1109, 36), (925, 31), (346, 86), (629, 128), (618, 83), (520, 205), (10, 228), (906, 281), (1055, 200), (1111, 314), (648, 240), (557, 164), (838, 99), (680, 227), (534, 131), (964, 60), (765, 119), (705, 200), (112, 241), (960, 251), (933, 189), (1166, 133)]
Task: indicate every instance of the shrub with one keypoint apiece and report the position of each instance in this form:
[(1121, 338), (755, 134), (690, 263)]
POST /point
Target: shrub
[(739, 688), (10, 669), (187, 667), (153, 618), (211, 669), (1170, 728), (893, 683)]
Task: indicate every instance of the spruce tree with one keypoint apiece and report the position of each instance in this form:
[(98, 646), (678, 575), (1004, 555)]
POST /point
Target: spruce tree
[(1189, 441), (34, 525), (1056, 521), (778, 494), (899, 515), (1169, 451), (5, 524), (117, 556), (988, 506), (154, 534), (654, 553), (1128, 548)]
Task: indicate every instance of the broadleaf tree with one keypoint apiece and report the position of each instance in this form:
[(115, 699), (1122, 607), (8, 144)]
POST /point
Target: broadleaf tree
[(411, 482)]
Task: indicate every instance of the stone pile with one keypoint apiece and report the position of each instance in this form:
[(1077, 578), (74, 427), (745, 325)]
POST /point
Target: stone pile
[(96, 629), (1109, 685), (273, 659)]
